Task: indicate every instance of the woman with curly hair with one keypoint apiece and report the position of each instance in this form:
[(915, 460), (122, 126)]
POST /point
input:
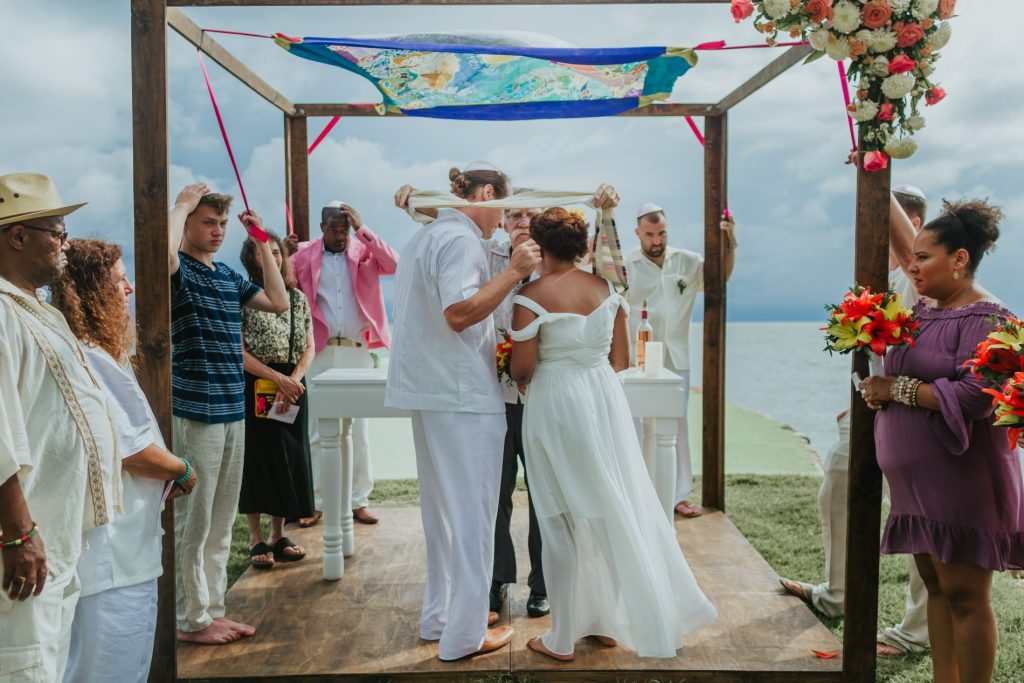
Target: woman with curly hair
[(954, 481), (115, 621), (276, 478), (612, 565)]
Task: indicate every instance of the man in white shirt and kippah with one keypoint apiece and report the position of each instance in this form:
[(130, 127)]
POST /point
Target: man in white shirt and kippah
[(669, 279)]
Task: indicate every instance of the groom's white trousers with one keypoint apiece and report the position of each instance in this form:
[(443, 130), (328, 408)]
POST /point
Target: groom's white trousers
[(458, 462)]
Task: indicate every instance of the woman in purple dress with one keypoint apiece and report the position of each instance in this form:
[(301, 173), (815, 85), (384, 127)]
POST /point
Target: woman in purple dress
[(955, 482)]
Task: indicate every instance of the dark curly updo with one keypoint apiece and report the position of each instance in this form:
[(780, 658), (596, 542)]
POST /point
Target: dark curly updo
[(560, 233), (972, 225), (465, 183)]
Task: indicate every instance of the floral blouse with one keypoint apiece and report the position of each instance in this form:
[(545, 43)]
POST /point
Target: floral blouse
[(266, 334)]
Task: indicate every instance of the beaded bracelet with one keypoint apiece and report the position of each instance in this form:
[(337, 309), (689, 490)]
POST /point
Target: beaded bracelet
[(180, 481), (23, 539)]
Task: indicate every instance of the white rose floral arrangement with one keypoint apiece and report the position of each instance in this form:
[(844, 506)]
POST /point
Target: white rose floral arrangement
[(892, 45)]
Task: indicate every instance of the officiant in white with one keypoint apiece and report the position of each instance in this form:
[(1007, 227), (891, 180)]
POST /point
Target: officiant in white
[(443, 370)]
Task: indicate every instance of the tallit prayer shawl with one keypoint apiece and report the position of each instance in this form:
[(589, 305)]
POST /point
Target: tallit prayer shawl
[(500, 75), (607, 253)]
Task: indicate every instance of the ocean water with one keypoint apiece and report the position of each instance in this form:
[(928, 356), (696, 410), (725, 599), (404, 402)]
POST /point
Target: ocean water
[(780, 370)]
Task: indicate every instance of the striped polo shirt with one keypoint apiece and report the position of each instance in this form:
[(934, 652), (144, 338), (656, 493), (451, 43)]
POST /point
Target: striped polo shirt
[(206, 336)]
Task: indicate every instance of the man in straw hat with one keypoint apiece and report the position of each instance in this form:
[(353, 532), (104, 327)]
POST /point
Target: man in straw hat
[(58, 456)]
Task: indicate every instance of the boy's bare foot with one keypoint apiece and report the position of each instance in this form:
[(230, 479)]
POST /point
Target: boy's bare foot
[(241, 629), (537, 645), (217, 633)]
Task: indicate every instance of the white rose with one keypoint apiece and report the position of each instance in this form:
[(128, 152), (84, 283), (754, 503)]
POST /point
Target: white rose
[(938, 40), (915, 122), (880, 67), (819, 39), (845, 17), (776, 9), (923, 9), (898, 86), (882, 40), (865, 110), (900, 148), (838, 48)]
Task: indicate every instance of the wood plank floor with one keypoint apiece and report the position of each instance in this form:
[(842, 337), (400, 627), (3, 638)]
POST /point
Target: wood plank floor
[(364, 627)]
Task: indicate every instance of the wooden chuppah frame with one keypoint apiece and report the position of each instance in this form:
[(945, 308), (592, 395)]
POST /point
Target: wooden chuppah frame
[(149, 21)]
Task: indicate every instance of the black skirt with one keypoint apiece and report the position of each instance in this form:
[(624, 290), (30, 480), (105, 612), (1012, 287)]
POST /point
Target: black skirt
[(276, 479)]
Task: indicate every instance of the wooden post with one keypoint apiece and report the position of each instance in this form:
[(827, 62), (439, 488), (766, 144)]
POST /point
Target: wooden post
[(715, 138), (864, 499), (297, 173), (152, 273)]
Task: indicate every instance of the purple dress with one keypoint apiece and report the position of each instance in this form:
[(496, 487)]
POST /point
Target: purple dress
[(955, 483)]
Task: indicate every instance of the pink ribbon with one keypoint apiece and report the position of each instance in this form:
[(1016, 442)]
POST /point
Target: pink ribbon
[(846, 98), (720, 45), (323, 134), (252, 228), (700, 138)]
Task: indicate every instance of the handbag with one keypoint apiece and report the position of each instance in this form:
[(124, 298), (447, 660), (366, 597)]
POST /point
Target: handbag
[(265, 390)]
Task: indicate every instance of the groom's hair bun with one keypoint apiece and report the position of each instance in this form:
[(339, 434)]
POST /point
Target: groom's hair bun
[(971, 224), (560, 233), (465, 183)]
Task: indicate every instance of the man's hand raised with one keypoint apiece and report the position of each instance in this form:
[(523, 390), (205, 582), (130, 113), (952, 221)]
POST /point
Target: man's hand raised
[(190, 196), (525, 259)]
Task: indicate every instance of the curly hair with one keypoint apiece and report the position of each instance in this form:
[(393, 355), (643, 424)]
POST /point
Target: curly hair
[(970, 224), (560, 233), (87, 295), (465, 183)]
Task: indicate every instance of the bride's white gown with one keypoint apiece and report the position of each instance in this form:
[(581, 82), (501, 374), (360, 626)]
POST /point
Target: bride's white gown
[(611, 561)]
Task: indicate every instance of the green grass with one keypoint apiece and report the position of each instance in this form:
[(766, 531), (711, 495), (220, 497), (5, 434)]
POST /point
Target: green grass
[(778, 515)]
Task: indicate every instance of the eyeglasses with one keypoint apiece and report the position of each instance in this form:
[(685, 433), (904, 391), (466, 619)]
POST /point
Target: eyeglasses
[(61, 235)]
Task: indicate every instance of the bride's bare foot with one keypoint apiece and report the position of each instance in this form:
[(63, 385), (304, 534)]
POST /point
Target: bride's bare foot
[(217, 633), (606, 641), (243, 630), (537, 645)]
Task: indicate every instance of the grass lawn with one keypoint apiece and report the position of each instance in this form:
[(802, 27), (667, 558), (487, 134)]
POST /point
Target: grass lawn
[(778, 515)]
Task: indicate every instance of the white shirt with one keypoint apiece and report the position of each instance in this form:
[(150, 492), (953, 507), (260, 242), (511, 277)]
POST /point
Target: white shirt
[(127, 551), (40, 441), (669, 310), (432, 367), (902, 285), (337, 299)]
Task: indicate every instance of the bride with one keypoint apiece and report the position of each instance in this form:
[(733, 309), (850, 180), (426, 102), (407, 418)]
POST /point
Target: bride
[(611, 561)]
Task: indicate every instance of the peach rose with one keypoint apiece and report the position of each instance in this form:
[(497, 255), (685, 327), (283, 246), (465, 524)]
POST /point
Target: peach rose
[(741, 9), (935, 95), (877, 13), (885, 112), (946, 8), (875, 161), (820, 10), (909, 35), (901, 64)]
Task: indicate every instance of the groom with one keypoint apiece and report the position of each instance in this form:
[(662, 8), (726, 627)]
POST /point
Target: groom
[(442, 369)]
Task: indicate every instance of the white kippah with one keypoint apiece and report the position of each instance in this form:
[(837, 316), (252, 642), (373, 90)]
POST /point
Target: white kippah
[(647, 208), (912, 190), (480, 165), (336, 204)]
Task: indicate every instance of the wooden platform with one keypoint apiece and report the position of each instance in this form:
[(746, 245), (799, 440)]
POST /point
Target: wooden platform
[(364, 627)]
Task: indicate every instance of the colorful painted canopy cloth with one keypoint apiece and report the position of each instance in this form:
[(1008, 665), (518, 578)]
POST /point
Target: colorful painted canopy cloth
[(492, 76)]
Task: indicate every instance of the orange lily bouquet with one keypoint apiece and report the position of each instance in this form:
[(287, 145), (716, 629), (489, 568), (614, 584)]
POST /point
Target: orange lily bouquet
[(869, 321), (999, 360), (503, 357), (1009, 402)]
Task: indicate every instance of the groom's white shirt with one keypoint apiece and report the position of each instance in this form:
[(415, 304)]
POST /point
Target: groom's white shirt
[(432, 367)]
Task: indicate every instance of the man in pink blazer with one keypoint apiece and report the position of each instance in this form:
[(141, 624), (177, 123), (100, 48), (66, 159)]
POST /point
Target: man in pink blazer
[(340, 277)]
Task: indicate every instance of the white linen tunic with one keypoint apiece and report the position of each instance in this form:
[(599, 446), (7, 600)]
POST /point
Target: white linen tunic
[(433, 367), (669, 310)]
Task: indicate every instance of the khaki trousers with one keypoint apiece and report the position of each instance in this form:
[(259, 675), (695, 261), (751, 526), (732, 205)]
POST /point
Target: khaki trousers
[(203, 520)]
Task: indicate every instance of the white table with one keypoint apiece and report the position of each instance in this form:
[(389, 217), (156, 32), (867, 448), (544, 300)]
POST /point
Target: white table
[(353, 393)]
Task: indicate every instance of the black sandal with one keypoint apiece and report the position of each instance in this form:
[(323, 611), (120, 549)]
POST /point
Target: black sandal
[(279, 548), (261, 548)]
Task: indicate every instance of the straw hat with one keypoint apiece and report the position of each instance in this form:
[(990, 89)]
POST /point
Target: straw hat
[(24, 196)]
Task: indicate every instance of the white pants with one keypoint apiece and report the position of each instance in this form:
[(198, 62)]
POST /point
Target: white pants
[(112, 636), (203, 519), (35, 634), (362, 469), (830, 596), (684, 470), (458, 462)]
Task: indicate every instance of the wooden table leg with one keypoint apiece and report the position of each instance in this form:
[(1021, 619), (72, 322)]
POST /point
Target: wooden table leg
[(330, 485), (666, 432), (348, 534)]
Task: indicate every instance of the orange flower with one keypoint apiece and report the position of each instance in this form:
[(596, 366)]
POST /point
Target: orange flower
[(946, 8), (877, 14), (909, 35), (820, 10)]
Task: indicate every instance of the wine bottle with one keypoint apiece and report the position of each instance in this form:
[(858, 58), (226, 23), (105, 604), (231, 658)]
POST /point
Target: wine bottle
[(643, 335)]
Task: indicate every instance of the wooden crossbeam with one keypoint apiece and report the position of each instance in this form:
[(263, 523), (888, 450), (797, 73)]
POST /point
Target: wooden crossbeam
[(191, 32), (368, 3), (787, 59), (668, 109)]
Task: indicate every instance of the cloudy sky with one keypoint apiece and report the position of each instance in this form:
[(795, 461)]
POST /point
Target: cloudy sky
[(65, 75)]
